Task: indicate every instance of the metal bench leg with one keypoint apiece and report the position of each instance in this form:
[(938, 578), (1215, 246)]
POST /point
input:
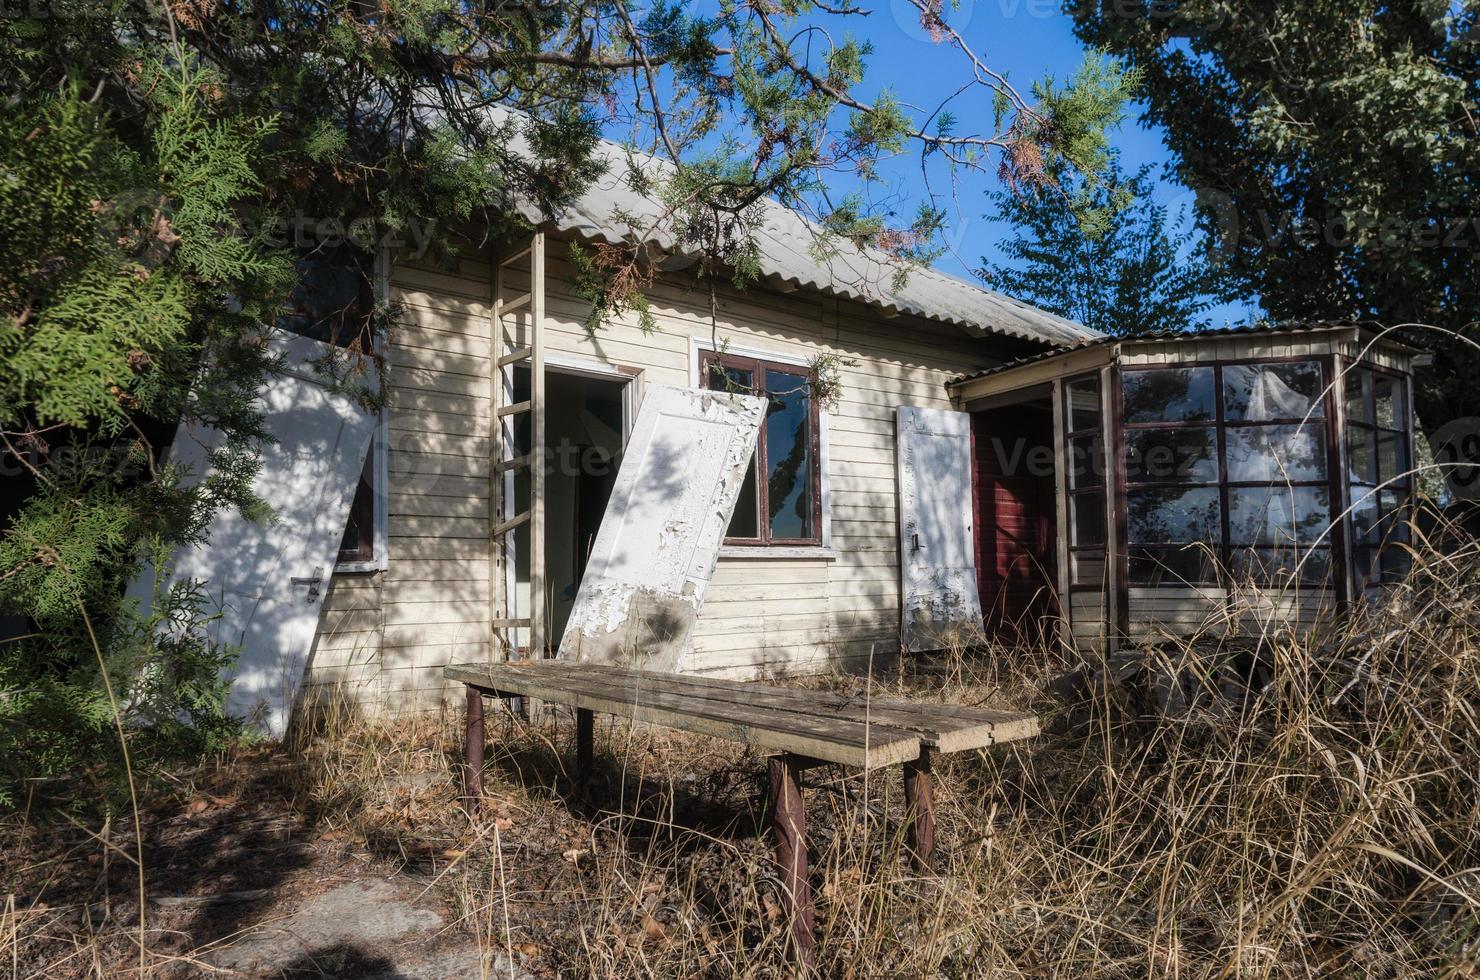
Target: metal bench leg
[(473, 772), (919, 809), (788, 820), (585, 744)]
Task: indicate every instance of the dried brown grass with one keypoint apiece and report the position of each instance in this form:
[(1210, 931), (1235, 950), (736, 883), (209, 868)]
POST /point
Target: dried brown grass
[(1265, 802)]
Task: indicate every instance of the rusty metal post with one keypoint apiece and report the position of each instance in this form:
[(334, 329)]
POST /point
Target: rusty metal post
[(585, 744), (919, 809), (473, 771), (788, 820)]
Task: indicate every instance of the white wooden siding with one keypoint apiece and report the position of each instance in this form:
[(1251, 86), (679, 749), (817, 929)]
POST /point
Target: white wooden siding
[(389, 634)]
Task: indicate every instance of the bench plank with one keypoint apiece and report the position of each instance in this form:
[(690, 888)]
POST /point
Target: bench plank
[(843, 741), (942, 727)]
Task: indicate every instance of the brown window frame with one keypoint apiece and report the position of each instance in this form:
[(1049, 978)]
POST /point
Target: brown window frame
[(708, 360)]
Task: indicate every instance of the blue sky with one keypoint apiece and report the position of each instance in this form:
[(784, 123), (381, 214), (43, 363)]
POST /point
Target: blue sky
[(1022, 39), (1025, 40)]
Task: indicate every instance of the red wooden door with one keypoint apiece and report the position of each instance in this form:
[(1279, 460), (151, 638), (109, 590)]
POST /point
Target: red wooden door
[(1013, 486)]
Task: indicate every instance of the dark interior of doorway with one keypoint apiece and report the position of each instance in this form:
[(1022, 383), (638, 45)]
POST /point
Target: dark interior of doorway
[(584, 436), (1013, 476)]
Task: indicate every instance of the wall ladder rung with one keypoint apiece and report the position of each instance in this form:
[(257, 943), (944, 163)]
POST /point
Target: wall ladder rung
[(504, 465), (510, 260), (506, 306), (522, 354), (514, 409), (516, 521), (506, 624)]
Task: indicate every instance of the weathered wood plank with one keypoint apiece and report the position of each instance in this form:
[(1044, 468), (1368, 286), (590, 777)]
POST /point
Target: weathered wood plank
[(944, 727), (784, 730)]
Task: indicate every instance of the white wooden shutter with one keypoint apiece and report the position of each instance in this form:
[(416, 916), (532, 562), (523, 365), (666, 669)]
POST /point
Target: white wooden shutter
[(266, 581), (938, 592), (660, 536)]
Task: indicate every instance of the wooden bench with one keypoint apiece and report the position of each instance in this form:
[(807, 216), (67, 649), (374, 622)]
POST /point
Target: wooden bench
[(805, 728)]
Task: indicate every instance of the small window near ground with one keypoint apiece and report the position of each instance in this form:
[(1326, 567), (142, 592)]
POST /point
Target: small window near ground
[(781, 499)]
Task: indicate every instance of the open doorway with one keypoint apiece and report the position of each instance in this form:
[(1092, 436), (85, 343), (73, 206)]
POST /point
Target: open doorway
[(587, 416), (1015, 489)]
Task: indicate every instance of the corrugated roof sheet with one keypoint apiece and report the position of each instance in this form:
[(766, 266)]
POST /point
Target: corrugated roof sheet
[(787, 241), (1165, 335)]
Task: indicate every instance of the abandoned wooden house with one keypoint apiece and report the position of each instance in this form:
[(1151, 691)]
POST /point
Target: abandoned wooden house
[(819, 470)]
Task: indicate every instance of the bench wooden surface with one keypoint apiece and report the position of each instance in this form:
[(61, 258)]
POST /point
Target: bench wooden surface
[(804, 727), (854, 731)]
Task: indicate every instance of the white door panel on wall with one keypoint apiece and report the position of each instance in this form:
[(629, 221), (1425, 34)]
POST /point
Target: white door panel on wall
[(266, 581), (936, 538)]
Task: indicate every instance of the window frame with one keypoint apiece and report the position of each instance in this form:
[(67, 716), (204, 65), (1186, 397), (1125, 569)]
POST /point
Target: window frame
[(1402, 485), (1096, 494), (1324, 424), (758, 364)]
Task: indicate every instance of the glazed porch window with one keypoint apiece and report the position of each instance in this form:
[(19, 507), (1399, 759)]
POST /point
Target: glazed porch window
[(1227, 472), (1377, 472)]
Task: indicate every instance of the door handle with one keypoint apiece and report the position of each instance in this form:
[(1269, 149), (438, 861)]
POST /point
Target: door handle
[(312, 583)]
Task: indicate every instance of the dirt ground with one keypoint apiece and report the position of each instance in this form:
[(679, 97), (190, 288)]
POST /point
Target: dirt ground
[(272, 863)]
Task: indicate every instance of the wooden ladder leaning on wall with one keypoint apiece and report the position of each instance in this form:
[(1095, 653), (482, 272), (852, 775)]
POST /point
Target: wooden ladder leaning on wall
[(508, 349)]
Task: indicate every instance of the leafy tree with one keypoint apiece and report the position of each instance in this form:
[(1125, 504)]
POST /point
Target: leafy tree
[(1334, 149), (163, 167), (1102, 252)]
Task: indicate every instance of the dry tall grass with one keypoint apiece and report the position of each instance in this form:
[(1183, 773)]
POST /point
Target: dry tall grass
[(1262, 803)]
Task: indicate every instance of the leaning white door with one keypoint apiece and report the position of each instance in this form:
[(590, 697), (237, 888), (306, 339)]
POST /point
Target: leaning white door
[(265, 581), (938, 597), (659, 539)]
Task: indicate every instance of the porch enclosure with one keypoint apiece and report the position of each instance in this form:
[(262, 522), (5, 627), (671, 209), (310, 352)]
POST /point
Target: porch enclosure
[(1266, 472)]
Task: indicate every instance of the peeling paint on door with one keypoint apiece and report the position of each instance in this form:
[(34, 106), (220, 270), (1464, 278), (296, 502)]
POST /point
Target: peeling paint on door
[(659, 540)]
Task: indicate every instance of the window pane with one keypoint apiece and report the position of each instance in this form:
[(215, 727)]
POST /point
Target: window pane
[(1263, 392), (1169, 395), (1277, 515), (745, 521), (789, 454), (1389, 407), (1089, 518), (1260, 453), (1173, 516), (1086, 462), (1358, 384), (1361, 456), (1083, 403), (1187, 565), (1392, 456), (358, 543), (1364, 516), (739, 380), (1171, 455), (330, 297), (1394, 523), (1279, 567)]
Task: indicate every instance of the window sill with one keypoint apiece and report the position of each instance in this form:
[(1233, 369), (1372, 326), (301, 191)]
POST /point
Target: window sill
[(357, 567), (818, 552)]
